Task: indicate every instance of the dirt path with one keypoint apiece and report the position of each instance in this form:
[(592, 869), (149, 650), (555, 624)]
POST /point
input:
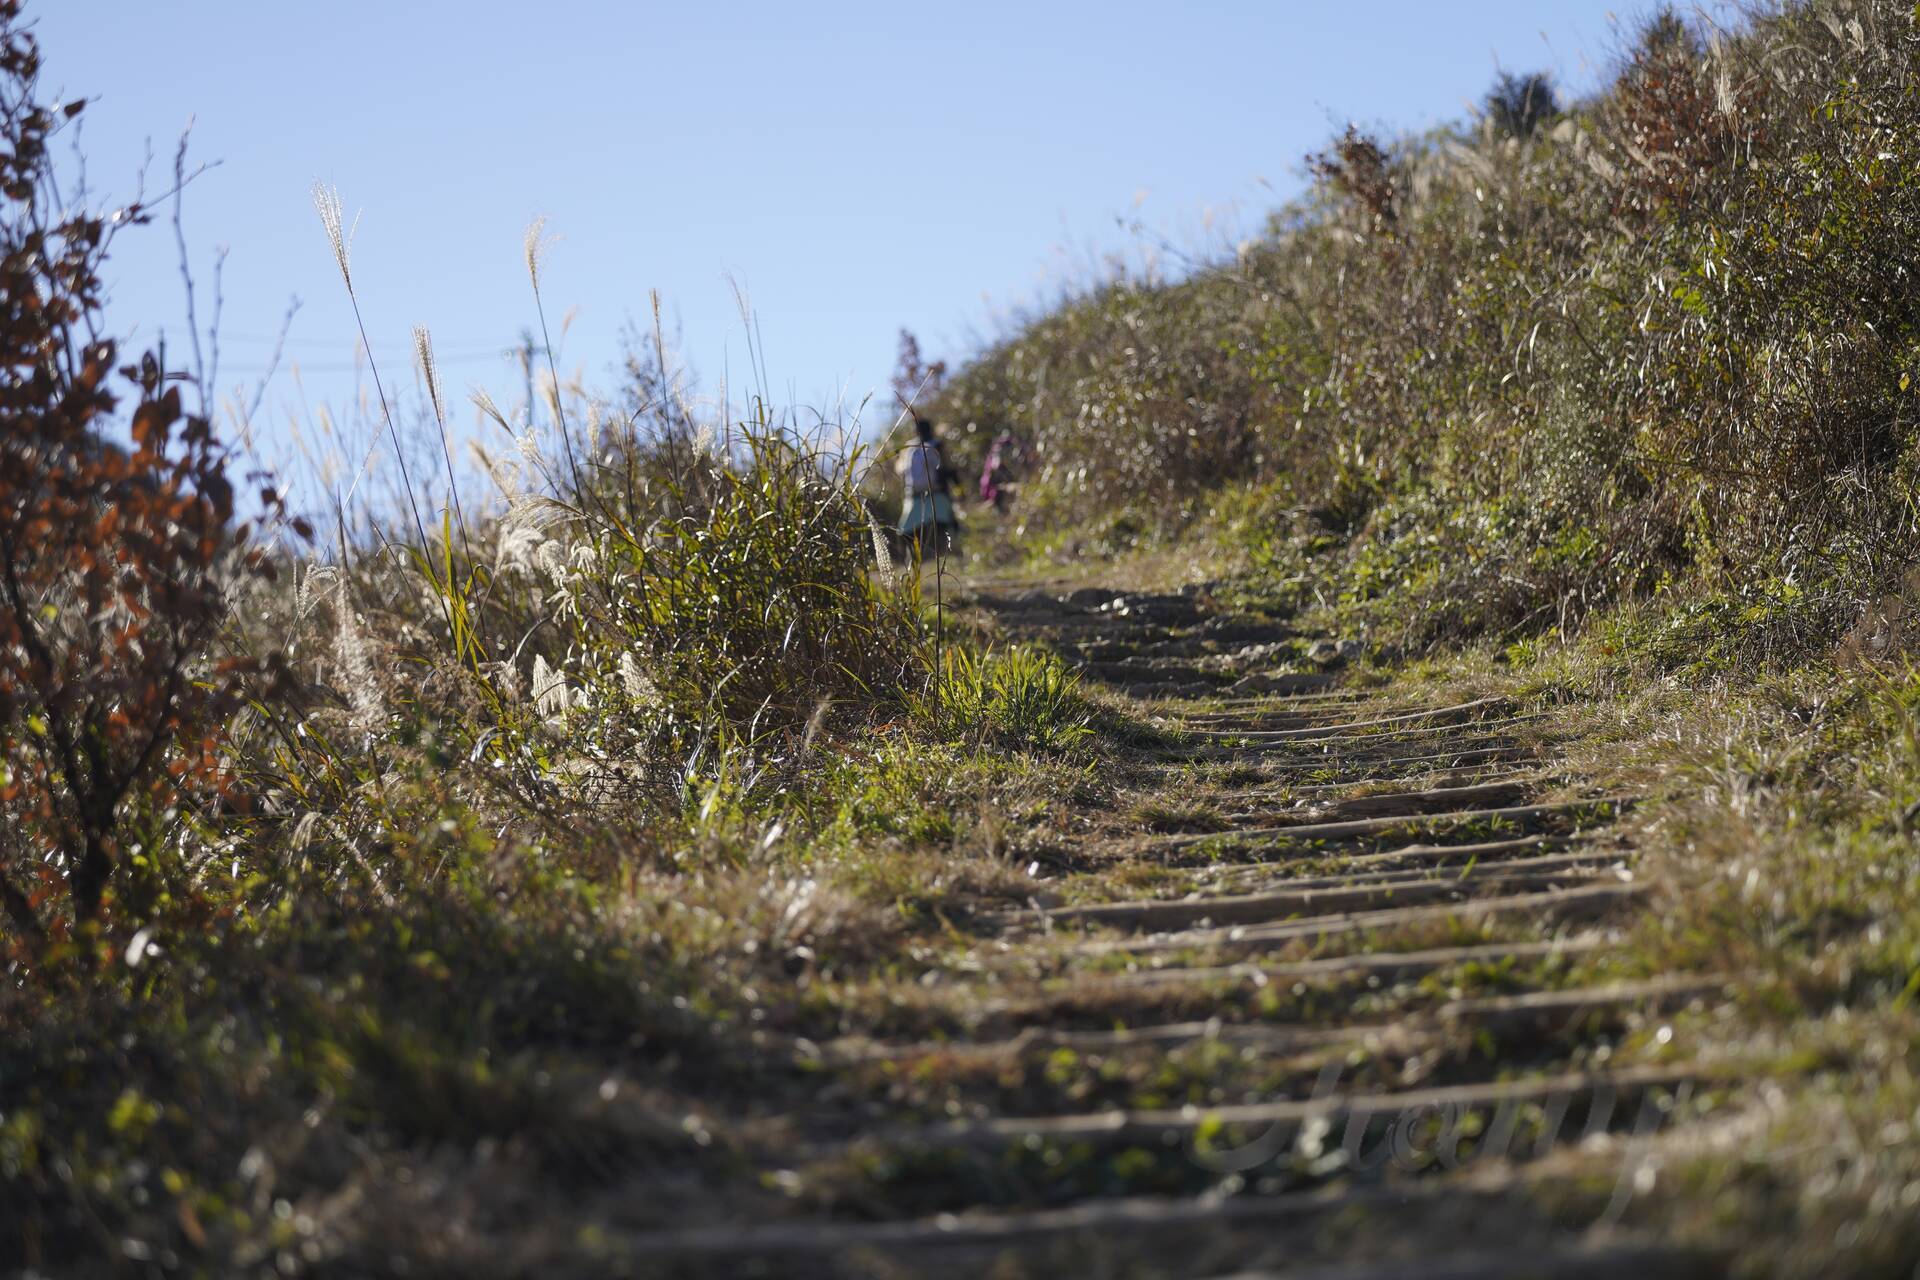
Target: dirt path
[(1337, 994)]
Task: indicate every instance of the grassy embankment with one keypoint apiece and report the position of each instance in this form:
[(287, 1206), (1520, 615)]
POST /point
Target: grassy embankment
[(370, 884), (560, 822)]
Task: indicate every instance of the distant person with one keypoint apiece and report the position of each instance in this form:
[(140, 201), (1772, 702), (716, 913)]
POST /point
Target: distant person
[(1001, 470), (930, 523)]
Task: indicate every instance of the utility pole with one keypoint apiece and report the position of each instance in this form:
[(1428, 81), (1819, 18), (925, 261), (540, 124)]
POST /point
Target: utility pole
[(525, 353)]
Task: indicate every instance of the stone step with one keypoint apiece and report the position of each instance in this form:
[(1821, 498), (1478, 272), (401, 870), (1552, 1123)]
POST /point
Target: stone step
[(1609, 1258), (1592, 858), (1415, 855), (1482, 774), (1382, 966), (1272, 1039), (1490, 794), (1296, 704), (1578, 903), (1452, 714), (1536, 1011), (1289, 903), (1349, 743), (1408, 1034), (1137, 1235), (1280, 833), (1602, 1094), (1502, 750), (1468, 746)]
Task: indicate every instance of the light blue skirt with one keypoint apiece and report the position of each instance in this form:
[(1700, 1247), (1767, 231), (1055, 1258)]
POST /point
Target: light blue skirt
[(925, 509)]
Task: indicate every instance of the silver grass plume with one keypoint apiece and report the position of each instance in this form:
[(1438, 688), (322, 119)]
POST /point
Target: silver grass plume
[(484, 403), (537, 512), (505, 476), (327, 201), (550, 692), (882, 557), (355, 658), (536, 244), (526, 540), (549, 390), (423, 356), (304, 596)]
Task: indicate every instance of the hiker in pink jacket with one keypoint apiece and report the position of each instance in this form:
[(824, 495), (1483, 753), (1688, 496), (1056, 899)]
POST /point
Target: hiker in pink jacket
[(998, 473)]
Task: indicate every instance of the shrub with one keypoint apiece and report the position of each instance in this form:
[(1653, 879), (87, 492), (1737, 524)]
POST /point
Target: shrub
[(1518, 105), (742, 588), (1022, 698), (114, 553), (1674, 330), (1357, 166), (1132, 397)]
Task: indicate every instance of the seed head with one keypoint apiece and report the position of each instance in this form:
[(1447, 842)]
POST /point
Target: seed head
[(882, 557), (327, 200), (423, 355), (484, 403), (550, 691), (537, 244)]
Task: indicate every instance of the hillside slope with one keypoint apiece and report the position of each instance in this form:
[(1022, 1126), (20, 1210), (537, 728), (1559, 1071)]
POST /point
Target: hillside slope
[(1466, 826), (1487, 381)]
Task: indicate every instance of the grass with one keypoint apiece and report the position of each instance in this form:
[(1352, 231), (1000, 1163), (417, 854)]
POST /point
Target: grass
[(1425, 396), (582, 814), (1023, 699), (1610, 412), (1776, 842), (565, 802)]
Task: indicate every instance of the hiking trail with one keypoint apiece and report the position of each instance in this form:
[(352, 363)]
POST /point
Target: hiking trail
[(1336, 997)]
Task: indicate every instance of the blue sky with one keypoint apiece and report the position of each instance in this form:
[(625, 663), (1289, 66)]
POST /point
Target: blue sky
[(856, 167)]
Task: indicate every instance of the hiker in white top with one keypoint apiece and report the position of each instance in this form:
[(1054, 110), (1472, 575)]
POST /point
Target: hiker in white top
[(929, 522)]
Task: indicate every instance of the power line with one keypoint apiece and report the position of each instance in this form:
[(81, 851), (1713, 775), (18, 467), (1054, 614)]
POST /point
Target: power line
[(350, 366), (397, 348)]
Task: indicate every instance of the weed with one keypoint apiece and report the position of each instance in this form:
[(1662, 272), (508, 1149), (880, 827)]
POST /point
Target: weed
[(1023, 698)]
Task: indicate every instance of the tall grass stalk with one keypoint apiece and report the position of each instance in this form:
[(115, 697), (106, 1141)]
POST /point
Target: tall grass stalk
[(430, 373), (537, 244), (326, 200)]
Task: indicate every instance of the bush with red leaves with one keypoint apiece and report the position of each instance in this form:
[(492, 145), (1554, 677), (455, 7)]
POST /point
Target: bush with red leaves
[(1357, 166), (113, 552)]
